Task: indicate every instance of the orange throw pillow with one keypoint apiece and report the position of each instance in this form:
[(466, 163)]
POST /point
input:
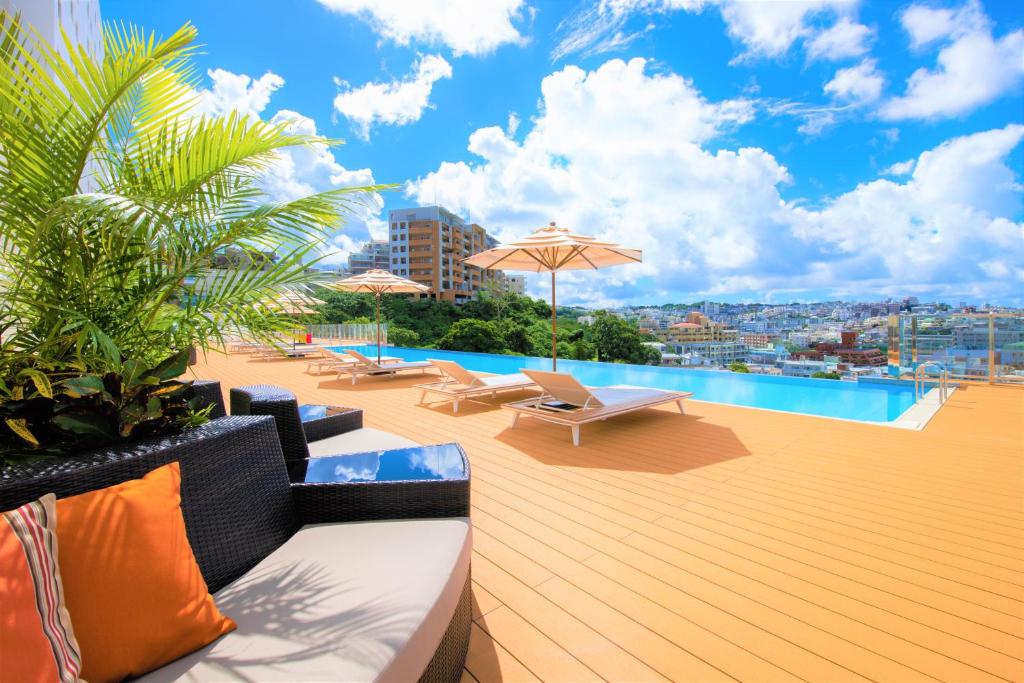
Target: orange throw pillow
[(36, 641), (131, 582)]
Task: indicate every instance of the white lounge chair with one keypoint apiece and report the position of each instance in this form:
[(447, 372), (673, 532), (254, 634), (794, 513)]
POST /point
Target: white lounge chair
[(287, 351), (332, 360), (460, 383), (567, 402), (369, 367)]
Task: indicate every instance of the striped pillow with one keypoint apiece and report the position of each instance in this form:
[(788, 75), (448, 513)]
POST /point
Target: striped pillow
[(36, 641)]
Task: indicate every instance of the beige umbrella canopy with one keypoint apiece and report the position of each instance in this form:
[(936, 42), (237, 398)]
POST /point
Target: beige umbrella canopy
[(549, 250), (289, 302), (378, 282)]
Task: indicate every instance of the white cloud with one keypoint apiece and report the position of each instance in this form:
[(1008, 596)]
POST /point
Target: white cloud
[(513, 124), (972, 70), (237, 92), (472, 27), (297, 171), (861, 84), (394, 103), (926, 24), (765, 29), (845, 38), (934, 229), (901, 168), (769, 29), (716, 220)]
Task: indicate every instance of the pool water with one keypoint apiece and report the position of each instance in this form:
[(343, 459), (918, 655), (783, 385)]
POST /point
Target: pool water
[(870, 401)]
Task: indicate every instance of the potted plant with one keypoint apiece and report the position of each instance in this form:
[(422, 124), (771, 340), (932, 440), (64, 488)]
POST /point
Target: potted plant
[(116, 201)]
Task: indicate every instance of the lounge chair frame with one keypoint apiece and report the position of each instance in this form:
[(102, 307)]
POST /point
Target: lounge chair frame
[(367, 367), (590, 410), (456, 389)]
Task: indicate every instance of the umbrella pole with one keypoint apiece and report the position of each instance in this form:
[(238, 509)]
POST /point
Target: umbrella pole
[(554, 327), (378, 328)]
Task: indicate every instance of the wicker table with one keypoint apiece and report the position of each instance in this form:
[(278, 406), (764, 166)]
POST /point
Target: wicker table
[(414, 482)]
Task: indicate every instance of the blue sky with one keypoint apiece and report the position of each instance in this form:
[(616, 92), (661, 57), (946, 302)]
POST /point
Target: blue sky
[(768, 151)]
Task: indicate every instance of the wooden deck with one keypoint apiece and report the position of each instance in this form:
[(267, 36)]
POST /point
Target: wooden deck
[(728, 543)]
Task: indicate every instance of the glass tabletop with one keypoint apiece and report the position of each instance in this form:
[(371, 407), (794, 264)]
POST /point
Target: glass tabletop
[(416, 463), (309, 412)]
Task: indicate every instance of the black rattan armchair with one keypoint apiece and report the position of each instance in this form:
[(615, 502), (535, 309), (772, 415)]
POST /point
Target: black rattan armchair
[(281, 404), (236, 499)]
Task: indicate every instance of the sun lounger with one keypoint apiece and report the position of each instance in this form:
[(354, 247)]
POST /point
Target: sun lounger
[(567, 402), (283, 351), (369, 367), (459, 383), (332, 360)]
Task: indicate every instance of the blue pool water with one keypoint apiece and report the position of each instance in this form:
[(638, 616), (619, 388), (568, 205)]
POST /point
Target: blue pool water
[(871, 401)]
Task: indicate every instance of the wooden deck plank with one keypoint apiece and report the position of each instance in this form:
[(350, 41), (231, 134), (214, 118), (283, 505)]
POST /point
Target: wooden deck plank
[(727, 542)]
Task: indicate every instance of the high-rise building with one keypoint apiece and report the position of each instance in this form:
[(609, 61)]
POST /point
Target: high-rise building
[(427, 245), (79, 19), (375, 255)]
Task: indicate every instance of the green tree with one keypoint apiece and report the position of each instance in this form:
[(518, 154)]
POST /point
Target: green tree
[(402, 336), (737, 366), (825, 375), (615, 339), (115, 201), (516, 337), (482, 336)]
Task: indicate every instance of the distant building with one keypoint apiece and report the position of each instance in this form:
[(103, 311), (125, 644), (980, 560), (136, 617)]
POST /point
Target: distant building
[(374, 255), (516, 284), (846, 351), (428, 243), (702, 341), (759, 341), (803, 368)]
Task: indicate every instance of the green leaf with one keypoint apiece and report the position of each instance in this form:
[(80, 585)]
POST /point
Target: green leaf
[(40, 380), (154, 408), (86, 424), (86, 385), (20, 427), (172, 367)]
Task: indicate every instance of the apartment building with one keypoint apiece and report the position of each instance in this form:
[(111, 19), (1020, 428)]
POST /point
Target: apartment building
[(701, 341), (427, 245), (375, 255)]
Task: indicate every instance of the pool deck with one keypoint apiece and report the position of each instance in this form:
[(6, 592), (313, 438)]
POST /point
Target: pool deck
[(728, 543)]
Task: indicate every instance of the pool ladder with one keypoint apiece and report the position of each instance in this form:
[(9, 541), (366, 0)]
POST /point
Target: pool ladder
[(921, 377)]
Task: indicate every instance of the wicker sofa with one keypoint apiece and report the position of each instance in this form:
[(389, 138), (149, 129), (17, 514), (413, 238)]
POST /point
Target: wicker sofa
[(383, 600)]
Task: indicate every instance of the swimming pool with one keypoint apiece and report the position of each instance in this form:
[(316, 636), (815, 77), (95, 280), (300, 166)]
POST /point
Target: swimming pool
[(870, 401)]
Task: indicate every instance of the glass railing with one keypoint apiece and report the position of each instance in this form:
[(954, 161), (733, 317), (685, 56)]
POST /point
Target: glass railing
[(986, 347)]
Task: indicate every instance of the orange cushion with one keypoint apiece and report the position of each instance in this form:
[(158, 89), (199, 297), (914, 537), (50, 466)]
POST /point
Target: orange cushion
[(133, 588), (36, 641)]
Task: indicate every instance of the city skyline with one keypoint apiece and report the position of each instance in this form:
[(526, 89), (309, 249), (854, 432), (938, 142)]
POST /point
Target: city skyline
[(832, 150)]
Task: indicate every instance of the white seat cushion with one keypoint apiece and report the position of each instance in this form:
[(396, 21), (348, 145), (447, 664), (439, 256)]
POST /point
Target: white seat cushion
[(364, 601), (358, 441)]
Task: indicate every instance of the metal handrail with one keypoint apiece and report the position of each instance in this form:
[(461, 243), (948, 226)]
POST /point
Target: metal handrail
[(920, 377)]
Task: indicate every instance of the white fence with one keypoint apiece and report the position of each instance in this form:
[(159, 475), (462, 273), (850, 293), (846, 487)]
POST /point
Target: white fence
[(349, 332)]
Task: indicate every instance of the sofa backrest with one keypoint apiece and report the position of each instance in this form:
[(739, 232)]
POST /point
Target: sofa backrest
[(235, 494), (267, 399)]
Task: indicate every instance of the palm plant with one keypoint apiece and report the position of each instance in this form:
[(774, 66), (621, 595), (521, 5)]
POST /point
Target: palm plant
[(115, 199)]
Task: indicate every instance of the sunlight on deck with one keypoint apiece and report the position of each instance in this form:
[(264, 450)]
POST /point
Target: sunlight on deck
[(728, 543)]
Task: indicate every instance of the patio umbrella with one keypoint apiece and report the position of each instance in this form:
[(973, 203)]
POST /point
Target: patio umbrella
[(378, 282), (293, 303), (551, 249)]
